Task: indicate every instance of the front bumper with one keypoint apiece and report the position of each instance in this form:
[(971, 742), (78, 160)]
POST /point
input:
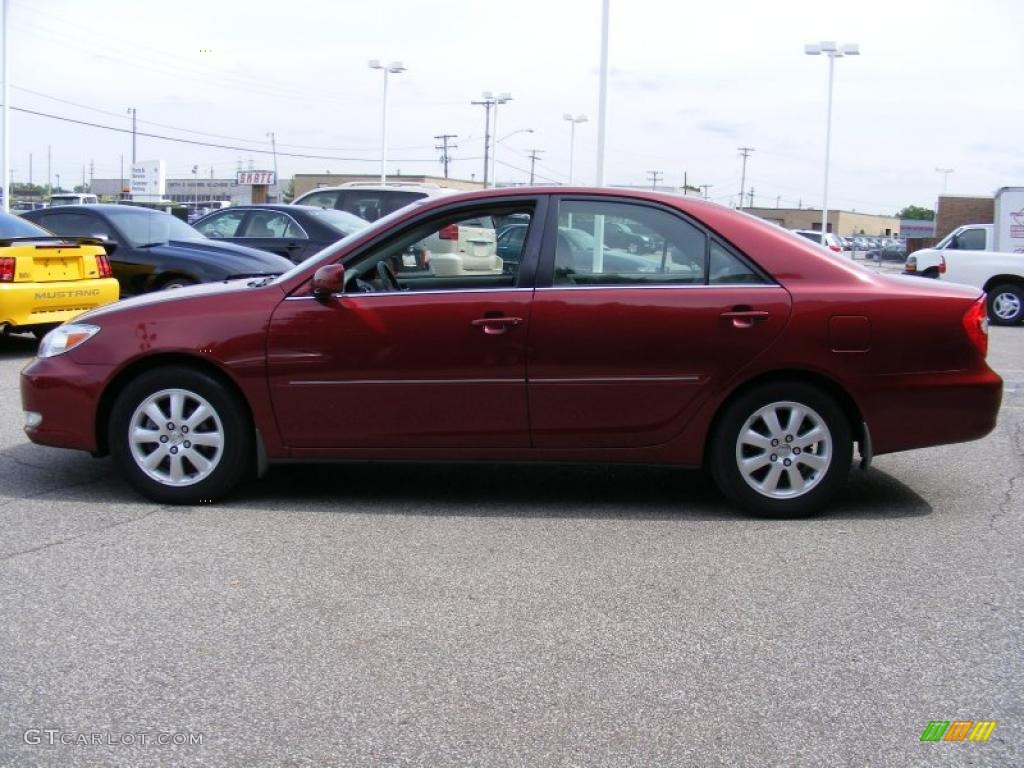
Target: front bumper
[(66, 396)]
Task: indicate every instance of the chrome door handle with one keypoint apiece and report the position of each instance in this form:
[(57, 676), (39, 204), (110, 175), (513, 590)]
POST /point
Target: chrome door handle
[(494, 325), (745, 318)]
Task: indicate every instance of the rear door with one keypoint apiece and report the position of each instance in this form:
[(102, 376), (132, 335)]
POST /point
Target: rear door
[(623, 347), (275, 232)]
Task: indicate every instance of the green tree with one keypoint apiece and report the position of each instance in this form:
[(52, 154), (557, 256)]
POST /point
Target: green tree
[(916, 212)]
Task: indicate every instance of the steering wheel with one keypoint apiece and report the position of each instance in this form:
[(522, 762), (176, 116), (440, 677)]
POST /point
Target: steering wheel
[(387, 276)]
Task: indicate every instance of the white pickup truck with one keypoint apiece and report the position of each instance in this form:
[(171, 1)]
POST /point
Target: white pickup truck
[(927, 262), (1000, 275), (1005, 235)]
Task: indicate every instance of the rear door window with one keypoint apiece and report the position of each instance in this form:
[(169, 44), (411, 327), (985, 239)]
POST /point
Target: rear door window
[(321, 199)]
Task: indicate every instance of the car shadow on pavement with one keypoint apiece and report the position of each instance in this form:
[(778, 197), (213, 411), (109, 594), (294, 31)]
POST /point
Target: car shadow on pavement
[(17, 345), (546, 490)]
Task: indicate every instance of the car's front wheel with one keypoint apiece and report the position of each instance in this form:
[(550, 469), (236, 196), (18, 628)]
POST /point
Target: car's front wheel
[(1006, 304), (180, 436), (781, 450)]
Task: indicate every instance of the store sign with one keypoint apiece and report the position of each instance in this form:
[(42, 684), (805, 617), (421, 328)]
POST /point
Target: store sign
[(252, 178), (149, 180)]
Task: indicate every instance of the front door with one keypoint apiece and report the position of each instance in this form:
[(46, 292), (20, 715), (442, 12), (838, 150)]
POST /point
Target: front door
[(394, 364)]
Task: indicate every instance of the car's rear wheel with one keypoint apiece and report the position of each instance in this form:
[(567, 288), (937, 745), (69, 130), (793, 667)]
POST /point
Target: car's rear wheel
[(781, 450), (176, 282), (180, 436), (1006, 304)]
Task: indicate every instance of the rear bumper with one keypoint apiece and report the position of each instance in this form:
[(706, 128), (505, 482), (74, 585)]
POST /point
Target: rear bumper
[(921, 410), (30, 304), (65, 394)]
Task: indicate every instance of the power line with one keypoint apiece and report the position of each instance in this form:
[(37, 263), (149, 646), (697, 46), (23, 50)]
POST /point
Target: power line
[(194, 142)]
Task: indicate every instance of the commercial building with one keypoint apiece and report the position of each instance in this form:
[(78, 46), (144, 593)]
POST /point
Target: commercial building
[(840, 222), (953, 211), (184, 190)]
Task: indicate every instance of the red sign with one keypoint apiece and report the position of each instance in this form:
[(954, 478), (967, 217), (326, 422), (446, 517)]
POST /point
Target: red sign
[(255, 177)]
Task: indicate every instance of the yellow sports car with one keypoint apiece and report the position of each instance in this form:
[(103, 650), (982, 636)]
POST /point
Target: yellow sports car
[(46, 280)]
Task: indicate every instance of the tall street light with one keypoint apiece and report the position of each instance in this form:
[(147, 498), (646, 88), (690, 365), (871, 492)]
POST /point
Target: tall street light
[(393, 68), (501, 98), (833, 51), (572, 136), (497, 141)]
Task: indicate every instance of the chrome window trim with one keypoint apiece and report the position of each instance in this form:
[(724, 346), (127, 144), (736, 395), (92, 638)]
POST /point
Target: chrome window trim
[(415, 293), (649, 286), (615, 379)]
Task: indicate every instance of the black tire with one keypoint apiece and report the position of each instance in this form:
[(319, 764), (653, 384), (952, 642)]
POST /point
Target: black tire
[(234, 457), (1006, 304), (932, 272), (176, 281), (821, 484)]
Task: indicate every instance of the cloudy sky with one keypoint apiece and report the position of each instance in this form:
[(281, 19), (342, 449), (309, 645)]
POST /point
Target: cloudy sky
[(937, 85)]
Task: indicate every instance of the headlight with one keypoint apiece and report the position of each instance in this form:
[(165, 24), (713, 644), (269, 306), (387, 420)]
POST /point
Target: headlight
[(66, 337)]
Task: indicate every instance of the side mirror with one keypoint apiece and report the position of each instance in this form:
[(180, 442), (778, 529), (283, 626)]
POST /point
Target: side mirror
[(328, 281)]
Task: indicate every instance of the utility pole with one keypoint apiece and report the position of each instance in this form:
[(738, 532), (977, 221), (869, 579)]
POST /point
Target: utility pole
[(751, 197), (83, 175), (778, 200), (49, 166), (487, 102), (445, 146), (744, 153), (120, 191), (30, 169), (534, 157), (131, 111), (705, 188), (92, 173), (273, 148), (655, 177)]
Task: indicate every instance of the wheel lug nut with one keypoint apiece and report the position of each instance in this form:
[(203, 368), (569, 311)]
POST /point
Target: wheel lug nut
[(188, 444), (774, 443), (775, 457), (163, 438), (787, 462), (170, 425), (796, 451), (184, 430), (789, 438), (174, 449)]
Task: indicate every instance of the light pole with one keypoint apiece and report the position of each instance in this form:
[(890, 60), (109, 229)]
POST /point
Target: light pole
[(393, 68), (487, 101), (833, 52), (58, 181), (195, 186), (273, 148), (572, 136), (501, 98), (945, 177), (5, 152), (497, 141), (131, 111)]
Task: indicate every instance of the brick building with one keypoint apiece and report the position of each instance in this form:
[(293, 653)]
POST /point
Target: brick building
[(840, 222), (956, 210)]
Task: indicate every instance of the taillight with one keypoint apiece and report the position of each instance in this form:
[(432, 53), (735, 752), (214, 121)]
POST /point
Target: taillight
[(942, 265), (976, 324), (7, 269), (911, 265), (104, 266), (451, 232), (836, 248)]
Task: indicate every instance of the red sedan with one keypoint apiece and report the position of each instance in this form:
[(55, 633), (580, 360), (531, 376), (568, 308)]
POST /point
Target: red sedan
[(729, 344)]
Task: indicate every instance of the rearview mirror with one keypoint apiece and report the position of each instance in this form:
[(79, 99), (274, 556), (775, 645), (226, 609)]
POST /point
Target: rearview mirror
[(328, 281)]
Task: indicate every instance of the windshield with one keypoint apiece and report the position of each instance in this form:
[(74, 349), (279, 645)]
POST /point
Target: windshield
[(12, 226), (143, 227), (342, 222)]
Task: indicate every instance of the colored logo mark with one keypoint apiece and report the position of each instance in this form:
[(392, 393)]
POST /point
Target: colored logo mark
[(958, 730)]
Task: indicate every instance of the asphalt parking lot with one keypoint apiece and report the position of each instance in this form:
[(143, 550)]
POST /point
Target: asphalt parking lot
[(434, 615)]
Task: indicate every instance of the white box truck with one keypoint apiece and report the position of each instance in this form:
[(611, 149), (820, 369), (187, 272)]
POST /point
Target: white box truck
[(1005, 235)]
